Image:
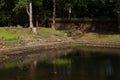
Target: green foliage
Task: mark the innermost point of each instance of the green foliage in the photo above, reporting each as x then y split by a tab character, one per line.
5	10
117	7
68	5
37	3
4	17
42	9
19	5
103	1
2	3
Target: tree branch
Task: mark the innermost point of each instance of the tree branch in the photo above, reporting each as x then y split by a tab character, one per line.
27	9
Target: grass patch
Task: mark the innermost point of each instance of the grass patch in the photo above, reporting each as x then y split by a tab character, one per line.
14	34
77	44
6	33
48	32
101	37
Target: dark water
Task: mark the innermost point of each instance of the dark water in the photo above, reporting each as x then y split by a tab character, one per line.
74	64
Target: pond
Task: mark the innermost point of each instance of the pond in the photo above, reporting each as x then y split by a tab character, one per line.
65	64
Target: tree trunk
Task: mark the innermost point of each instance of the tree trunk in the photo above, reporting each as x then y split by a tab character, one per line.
9	23
30	15
54	11
69	12
119	23
37	21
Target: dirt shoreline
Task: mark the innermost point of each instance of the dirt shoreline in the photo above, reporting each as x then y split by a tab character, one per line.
31	48
57	45
11	53
100	44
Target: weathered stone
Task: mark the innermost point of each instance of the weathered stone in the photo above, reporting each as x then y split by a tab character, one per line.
65	34
69	38
1	45
19	26
59	40
34	30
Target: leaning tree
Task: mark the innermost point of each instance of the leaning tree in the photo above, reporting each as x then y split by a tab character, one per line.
54	11
20	4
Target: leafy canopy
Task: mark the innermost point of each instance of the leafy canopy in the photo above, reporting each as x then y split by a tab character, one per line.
19	5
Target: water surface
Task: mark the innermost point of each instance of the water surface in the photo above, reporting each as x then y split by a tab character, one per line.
66	64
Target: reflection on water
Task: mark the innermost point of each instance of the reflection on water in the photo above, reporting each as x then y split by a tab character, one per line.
109	69
71	64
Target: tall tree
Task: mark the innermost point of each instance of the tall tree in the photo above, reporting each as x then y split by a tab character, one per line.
54	11
30	13
2	3
20	4
68	7
117	9
2	16
37	9
6	13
